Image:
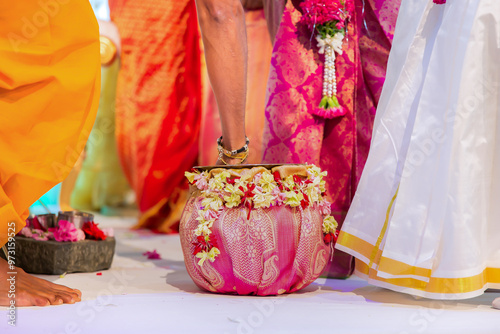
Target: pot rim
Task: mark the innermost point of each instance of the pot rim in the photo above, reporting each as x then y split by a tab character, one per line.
268	166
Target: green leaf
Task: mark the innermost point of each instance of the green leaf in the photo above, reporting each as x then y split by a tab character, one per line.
324	102
334	102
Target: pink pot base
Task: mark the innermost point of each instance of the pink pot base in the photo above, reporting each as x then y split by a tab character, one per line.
278	250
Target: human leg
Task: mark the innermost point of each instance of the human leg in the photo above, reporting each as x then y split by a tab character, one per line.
223	29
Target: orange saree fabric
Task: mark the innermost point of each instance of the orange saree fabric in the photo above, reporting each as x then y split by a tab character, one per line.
158	107
49	92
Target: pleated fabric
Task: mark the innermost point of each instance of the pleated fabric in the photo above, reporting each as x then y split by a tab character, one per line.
425	217
49	92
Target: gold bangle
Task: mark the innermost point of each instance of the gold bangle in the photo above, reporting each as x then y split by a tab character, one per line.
240	154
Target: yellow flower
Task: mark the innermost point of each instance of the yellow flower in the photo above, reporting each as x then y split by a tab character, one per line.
262	200
313	193
242	182
190	176
293	199
211	255
317	179
322	186
218	182
233	189
316	171
201	216
202	256
203	220
222	176
289	182
232	200
234	197
214	203
203	229
215	184
330	225
267	182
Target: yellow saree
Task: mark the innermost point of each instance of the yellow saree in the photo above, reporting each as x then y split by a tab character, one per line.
49	92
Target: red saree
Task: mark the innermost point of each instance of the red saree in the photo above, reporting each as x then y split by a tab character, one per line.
158	106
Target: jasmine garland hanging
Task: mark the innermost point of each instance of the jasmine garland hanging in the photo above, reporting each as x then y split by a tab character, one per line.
328	20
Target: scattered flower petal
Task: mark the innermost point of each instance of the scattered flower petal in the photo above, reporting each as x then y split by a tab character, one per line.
152	255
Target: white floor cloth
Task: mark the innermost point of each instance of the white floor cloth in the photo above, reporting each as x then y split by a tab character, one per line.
138	295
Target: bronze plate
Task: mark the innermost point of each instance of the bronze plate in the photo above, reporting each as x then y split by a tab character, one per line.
268	166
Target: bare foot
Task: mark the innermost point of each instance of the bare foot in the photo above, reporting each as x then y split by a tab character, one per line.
496	303
31	290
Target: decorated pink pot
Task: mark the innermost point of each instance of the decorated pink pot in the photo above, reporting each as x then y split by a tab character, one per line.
257	230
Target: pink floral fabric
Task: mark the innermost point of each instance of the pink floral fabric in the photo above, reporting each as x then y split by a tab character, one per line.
277	250
340	145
